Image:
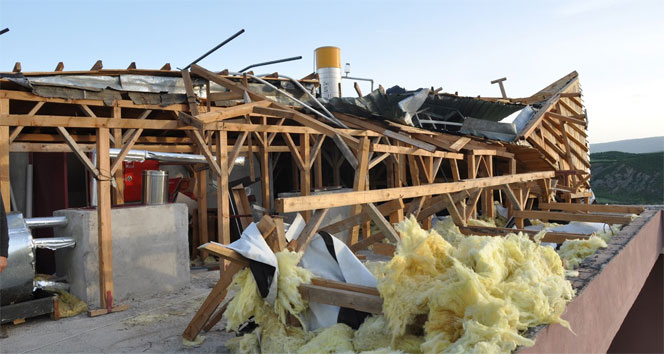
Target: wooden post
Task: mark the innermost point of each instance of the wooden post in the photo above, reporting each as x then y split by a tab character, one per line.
305	172
104	244
318	170
4	158
201	195
336	168
359	183
264	160
488	207
391	169
118	193
223	207
471	162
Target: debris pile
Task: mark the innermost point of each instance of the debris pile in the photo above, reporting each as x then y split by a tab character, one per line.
476	293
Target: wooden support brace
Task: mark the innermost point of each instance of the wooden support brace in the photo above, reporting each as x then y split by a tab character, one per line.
381	222
454	212
302	242
125	150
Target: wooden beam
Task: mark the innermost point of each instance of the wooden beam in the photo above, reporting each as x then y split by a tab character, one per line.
365	124
568	119
366	242
343	298
104	240
236	150
211	302
554	237
79	152
305	171
516	203
459	144
231	112
327	283
27	96
4	158
378	160
125	150
223	207
309	231
18	130
264	161
294	150
626	209
345	151
97	66
550	215
200	142
294	115
345	224
318	144
413	151
381	222
454	212
359	183
286	205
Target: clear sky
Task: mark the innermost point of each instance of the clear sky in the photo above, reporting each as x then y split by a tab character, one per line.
616	46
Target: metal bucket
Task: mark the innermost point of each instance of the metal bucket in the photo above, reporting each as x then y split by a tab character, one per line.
155	187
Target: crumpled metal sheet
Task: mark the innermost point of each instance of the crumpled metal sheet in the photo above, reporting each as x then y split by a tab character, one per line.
399	108
108	96
489	129
503	131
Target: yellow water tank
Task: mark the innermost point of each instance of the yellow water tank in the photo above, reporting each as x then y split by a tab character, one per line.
328	67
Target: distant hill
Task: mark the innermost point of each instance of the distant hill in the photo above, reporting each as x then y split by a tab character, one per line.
624	178
634	146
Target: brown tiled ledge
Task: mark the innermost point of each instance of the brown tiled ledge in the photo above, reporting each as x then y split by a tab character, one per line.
608	283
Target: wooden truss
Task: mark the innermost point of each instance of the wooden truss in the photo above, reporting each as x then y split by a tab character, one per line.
423	171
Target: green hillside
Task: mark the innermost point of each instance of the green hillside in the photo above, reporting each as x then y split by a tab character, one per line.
624	178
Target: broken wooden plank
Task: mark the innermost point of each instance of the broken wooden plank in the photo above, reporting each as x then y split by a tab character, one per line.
550	215
343	298
626	209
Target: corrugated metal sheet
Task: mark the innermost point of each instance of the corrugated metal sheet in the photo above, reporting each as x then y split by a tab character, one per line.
470	107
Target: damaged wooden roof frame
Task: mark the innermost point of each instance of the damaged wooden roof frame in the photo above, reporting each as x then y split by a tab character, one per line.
553	143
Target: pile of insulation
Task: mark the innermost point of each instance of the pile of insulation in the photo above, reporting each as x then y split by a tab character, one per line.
442	291
573	252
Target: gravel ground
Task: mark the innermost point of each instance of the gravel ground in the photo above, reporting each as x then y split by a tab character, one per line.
151	325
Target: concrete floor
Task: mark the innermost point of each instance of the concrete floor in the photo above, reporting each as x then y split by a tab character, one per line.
150	325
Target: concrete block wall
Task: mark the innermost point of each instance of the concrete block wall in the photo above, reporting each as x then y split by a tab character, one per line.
150	251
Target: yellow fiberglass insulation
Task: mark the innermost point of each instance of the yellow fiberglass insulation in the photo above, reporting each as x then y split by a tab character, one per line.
477	291
333	339
247	302
246	344
575	251
290	277
373	334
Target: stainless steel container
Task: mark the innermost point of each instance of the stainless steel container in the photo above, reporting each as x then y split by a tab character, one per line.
16	280
155	187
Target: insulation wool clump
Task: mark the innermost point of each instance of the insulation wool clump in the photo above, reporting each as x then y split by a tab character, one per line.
477	291
575	251
247	302
333	339
374	334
